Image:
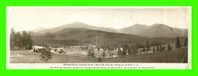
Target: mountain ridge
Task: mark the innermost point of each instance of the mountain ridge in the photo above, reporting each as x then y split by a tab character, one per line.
154	30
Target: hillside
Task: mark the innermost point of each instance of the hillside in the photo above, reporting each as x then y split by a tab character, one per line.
78	33
79	36
155	30
73	25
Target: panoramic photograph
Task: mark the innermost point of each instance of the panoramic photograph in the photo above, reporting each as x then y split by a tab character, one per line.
98	34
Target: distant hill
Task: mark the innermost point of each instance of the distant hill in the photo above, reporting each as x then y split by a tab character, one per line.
74	25
155	30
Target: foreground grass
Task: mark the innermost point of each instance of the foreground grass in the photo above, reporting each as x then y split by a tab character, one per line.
175	56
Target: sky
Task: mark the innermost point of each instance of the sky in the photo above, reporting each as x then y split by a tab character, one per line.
36	18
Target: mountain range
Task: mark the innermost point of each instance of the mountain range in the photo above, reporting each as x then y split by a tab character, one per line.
78	33
151	31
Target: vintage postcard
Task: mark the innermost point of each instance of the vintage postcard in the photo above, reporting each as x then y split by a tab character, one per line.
99	37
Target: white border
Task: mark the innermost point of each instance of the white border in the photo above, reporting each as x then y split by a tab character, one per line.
84	65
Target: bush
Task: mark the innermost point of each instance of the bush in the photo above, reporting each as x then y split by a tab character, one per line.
45	55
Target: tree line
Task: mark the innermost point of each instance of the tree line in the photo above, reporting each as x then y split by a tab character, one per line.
20	40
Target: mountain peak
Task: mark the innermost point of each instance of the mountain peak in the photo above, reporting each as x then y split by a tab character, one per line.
159	25
76	25
154	30
78	22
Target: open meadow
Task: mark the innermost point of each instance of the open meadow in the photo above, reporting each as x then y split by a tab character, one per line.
174	56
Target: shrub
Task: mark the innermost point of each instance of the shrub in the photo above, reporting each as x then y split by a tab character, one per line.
45	55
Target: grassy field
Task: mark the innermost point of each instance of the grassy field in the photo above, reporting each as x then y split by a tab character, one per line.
174	56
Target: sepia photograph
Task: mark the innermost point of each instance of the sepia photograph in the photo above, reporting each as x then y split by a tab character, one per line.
99	37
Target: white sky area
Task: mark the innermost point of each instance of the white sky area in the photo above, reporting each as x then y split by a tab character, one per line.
32	18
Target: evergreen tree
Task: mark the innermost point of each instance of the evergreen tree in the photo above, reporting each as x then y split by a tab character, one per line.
186	42
169	47
178	43
147	46
12	39
20	40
